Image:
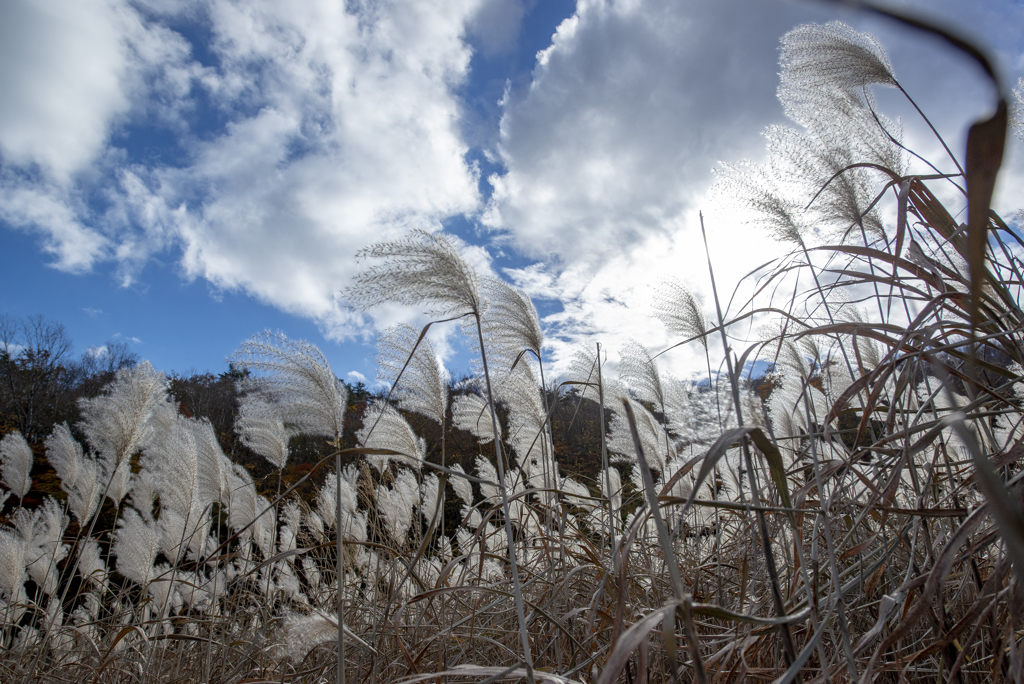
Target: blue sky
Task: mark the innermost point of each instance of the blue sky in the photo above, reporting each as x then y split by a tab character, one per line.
180	175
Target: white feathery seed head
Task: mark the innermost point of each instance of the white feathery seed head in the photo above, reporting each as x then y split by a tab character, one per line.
65	455
303	633
295	376
760	190
583	369
511	324
485	470
461	485
422	268
261	428
135	546
423	386
833	55
84	496
12	563
117	422
470	412
650	431
395	504
211	463
17	459
679	310
241	498
90	564
639	370
386	428
428	496
116	476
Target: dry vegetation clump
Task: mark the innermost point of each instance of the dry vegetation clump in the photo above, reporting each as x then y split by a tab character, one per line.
861	524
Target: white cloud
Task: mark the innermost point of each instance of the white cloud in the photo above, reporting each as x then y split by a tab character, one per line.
353	138
609	151
96	351
356	376
339	127
48	210
62	66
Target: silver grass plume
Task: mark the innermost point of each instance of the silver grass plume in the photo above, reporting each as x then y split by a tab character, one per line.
265	526
12	563
289	533
386	428
327	501
212	464
173	466
521	394
187	479
297	378
760	191
84	496
241	498
90	564
679	310
117	422
17	463
652	437
461	485
312	572
136	546
65	455
42	530
421	268
395	504
470	412
428	496
867	353
423	387
583	369
511	324
471	517
639	370
611	489
845	194
262	429
577	494
837	121
833	55
1018	110
485	471
117	477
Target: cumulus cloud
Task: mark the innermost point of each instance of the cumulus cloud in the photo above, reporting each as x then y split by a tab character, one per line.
325	126
608	153
264	145
62	70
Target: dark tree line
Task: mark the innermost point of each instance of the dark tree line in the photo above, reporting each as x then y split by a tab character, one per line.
41	383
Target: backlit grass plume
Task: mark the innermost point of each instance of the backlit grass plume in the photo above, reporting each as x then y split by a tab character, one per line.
261	428
511	325
16	456
831	56
423	387
679	310
422	268
296	377
117	422
386	428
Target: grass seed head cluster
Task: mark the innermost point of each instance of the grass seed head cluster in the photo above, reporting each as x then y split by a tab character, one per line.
852	527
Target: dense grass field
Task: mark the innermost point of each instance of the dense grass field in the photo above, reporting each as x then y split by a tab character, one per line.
855	514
